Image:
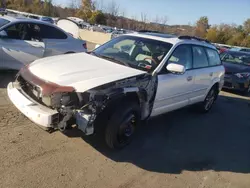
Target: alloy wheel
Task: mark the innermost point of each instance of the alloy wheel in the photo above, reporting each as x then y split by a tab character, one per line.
209	100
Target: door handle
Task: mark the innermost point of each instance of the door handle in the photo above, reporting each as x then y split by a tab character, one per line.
189	78
211	74
36	45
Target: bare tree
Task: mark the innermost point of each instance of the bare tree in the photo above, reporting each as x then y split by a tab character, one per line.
98	5
157	19
113	9
164	20
123	13
143	17
74	4
144	20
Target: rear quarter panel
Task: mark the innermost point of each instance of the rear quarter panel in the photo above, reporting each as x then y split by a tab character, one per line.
218	77
62	46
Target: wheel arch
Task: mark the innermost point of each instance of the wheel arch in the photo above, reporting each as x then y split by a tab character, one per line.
216	84
134	94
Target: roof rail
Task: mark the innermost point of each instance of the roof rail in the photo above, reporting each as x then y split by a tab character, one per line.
193	38
148	31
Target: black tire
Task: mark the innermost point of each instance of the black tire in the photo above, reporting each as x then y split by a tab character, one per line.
211	97
122	125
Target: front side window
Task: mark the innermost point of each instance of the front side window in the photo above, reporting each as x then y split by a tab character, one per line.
182	56
213	57
24	31
200	59
18	31
136	52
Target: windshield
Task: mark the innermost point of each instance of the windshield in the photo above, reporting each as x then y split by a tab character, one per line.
3	22
136	52
236	57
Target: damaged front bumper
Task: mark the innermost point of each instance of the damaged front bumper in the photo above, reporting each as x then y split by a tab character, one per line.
37	113
43	116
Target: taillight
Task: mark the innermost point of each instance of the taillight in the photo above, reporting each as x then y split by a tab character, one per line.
84	45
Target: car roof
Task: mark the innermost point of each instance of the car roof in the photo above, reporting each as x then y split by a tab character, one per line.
172	39
22	19
9	18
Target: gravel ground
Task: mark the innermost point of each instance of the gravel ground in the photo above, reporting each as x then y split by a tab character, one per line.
179	149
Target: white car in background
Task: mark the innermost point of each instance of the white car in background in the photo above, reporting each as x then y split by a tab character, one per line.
24	40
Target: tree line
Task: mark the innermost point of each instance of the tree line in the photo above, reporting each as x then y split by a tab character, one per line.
235	35
95	12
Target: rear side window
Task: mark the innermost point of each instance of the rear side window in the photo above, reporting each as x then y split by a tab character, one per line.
48	32
213	57
200	59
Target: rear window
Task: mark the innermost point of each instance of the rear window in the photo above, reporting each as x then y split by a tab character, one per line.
3	22
213	57
48	32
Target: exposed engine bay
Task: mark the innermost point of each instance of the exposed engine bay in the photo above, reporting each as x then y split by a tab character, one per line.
82	109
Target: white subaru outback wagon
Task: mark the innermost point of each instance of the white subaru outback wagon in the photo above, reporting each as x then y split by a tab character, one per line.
118	85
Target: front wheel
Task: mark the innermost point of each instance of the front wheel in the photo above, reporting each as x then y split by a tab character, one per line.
209	100
122	125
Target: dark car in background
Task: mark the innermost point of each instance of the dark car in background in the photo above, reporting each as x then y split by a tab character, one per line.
241	49
237	70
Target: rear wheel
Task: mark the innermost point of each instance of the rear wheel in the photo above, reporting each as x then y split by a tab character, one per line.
122	125
209	100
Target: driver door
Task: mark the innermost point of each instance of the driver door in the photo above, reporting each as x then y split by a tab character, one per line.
19	48
174	90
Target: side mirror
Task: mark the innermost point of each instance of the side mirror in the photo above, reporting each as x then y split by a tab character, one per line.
3	34
176	68
96	46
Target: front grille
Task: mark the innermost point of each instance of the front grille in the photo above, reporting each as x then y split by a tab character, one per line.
30	89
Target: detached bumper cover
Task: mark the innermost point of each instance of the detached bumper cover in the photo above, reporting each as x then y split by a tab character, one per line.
37	113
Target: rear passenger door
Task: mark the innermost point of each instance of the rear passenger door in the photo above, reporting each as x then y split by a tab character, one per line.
204	74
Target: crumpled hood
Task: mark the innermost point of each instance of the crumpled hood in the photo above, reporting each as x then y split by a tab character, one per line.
81	71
